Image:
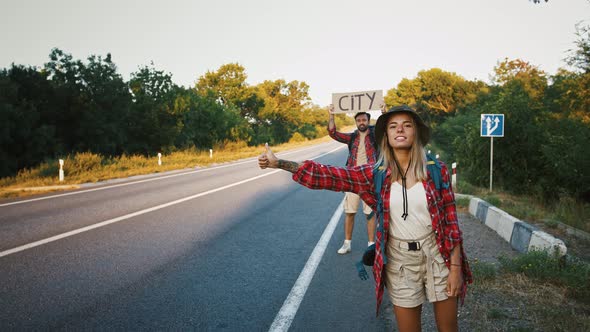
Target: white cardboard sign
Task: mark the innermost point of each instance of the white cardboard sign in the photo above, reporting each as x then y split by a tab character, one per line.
361	101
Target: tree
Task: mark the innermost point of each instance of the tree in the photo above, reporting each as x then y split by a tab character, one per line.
67	101
228	85
580	57
436	94
569	96
206	122
565	151
27	134
153	123
284	105
519	165
106	104
532	78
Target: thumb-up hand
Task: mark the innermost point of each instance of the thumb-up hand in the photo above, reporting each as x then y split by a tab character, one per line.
268	159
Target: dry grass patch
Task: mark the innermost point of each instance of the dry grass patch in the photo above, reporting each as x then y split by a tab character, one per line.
89	167
514	302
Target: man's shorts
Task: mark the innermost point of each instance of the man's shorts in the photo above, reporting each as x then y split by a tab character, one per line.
351	204
408	281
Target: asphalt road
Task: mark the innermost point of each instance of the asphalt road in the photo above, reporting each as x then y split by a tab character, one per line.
225	248
219	248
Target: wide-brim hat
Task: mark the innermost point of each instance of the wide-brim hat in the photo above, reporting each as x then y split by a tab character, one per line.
423	129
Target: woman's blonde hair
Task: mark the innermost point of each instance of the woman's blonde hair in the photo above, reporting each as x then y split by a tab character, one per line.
417	166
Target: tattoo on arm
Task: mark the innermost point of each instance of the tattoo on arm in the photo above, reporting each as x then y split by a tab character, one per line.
287	165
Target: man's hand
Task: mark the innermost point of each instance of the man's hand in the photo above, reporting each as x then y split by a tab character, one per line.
268	159
331	122
383	108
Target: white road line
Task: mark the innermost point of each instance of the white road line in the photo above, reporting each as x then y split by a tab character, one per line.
148	180
127	216
287	313
134	214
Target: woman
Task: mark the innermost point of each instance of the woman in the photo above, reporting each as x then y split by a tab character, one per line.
419	251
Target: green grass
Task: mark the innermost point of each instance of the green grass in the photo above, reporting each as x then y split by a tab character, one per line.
483	270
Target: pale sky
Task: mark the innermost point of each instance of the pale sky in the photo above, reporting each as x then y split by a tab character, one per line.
332	45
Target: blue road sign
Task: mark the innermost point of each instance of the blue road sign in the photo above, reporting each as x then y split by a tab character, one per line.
492	125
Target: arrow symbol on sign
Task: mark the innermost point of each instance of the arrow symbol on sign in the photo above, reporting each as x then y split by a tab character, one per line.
489	127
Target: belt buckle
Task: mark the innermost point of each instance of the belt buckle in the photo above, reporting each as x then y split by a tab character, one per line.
413	246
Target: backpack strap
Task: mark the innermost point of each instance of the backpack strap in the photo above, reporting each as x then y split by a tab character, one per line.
435	169
378	179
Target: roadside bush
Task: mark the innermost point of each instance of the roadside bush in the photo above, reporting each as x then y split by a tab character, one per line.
82	162
493	200
297	137
466	188
571	212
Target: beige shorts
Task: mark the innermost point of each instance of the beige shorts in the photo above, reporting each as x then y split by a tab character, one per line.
351	204
412	277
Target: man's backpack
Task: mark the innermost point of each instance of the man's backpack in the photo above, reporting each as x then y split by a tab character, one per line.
434	169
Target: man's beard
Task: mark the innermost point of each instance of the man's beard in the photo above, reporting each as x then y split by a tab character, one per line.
362	128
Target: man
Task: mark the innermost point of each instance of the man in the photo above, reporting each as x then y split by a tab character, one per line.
362	149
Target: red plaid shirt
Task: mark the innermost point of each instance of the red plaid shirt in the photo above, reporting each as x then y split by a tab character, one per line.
359	180
370	147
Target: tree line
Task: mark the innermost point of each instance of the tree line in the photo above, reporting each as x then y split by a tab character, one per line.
73	106
544	150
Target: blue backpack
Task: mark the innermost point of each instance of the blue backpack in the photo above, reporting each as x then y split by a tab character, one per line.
434	169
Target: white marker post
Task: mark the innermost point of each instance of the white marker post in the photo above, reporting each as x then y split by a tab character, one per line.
159	159
61	170
210	153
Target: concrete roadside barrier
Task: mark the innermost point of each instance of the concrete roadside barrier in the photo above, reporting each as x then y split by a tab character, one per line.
473	203
493	218
506	226
542	240
522	236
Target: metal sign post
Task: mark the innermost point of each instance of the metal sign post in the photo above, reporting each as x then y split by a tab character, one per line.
491	161
492	125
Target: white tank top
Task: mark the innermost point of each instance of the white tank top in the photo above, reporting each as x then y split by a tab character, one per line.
418	222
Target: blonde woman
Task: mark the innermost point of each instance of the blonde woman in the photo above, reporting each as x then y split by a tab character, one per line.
418	249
